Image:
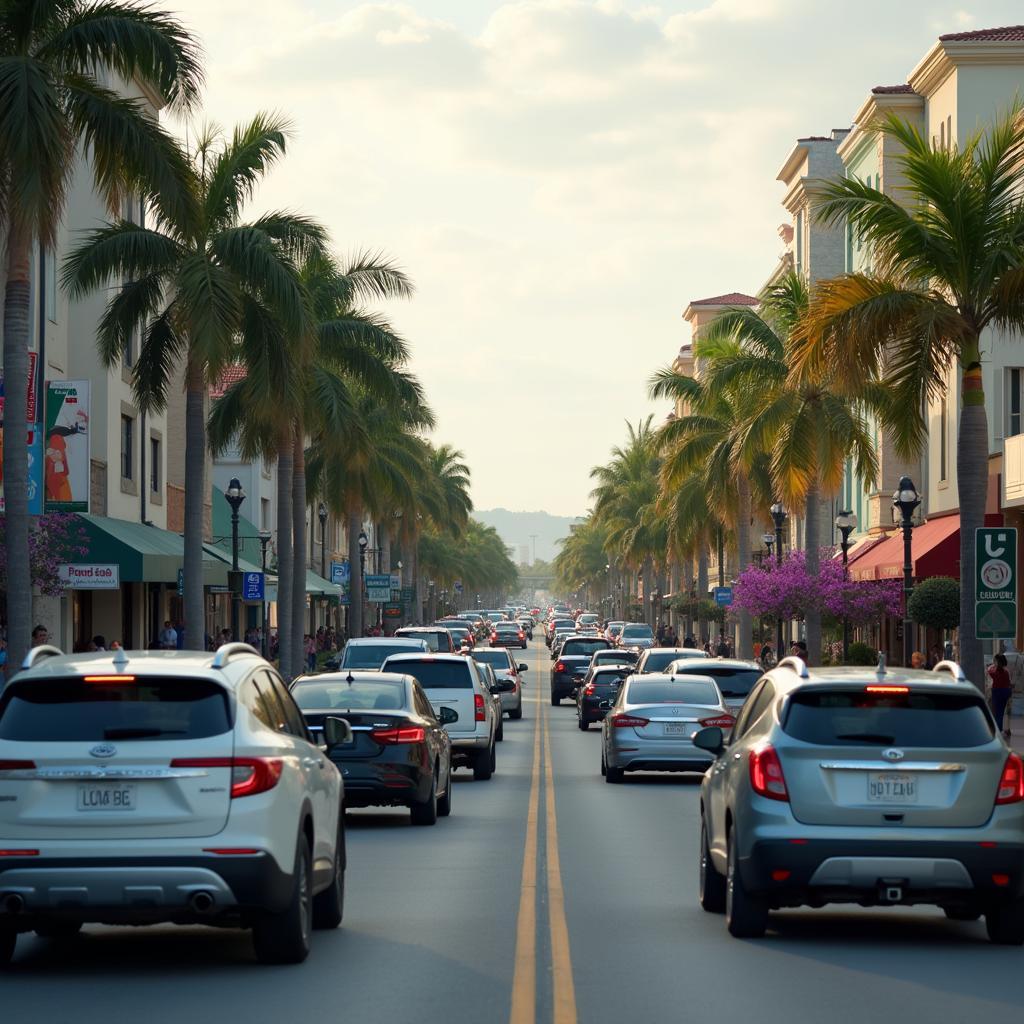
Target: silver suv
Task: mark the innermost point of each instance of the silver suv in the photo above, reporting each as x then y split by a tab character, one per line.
871	786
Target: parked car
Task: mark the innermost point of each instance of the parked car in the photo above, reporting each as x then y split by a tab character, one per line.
887	787
598	692
505	668
371	652
651	725
397	754
437	638
453	681
572	664
191	774
657	659
735	678
636	635
462	634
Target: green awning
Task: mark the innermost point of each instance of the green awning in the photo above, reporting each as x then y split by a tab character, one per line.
319	587
145	554
221	555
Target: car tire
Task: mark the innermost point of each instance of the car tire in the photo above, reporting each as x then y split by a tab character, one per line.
581	721
8	940
444	803
425	812
746	916
712	881
555	701
284	937
329	905
1005	923
483	765
516	713
500	734
604	767
961	913
58	930
613	776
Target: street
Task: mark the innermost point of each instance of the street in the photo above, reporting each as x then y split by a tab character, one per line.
446	924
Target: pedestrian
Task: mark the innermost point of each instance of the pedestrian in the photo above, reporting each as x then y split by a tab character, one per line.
310	648
767	655
799	649
168	637
660	635
722	650
40	636
689	642
1001	689
99	642
917	660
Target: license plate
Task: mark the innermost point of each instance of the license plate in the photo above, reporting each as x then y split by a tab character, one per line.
106	798
892	788
677	729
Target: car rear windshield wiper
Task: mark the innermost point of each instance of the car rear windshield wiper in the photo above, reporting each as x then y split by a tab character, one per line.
140	733
868	737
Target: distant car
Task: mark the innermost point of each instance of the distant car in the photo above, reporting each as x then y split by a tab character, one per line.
526	622
370	652
657	659
572	664
558	622
507	634
614	656
636	635
505	668
398	753
598	692
561	635
437	638
462	633
612	630
494	688
735	678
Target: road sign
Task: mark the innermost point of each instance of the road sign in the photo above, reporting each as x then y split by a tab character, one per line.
378	587
458	586
253	586
995	582
723	596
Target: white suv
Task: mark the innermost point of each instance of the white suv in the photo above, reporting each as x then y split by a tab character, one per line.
140	787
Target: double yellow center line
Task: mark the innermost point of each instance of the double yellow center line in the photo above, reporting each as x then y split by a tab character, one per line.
524	980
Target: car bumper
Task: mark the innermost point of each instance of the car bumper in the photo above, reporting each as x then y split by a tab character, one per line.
469	744
385	785
669	755
564	684
591	710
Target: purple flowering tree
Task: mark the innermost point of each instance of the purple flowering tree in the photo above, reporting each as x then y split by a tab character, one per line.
52	540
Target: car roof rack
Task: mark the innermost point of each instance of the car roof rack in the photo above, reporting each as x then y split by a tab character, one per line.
798	665
42	651
228	651
953	668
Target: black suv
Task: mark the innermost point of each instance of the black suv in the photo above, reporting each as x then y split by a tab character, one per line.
569	670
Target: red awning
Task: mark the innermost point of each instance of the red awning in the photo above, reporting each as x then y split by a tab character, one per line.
860	548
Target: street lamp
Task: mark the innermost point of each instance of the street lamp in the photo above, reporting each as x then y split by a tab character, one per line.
321	513
430	599
444	600
264	541
779	517
768	539
905	500
235	495
846	523
363	543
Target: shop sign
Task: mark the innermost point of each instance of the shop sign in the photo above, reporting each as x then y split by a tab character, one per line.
90	577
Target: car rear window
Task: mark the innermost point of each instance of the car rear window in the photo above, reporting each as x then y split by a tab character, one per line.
668	691
587	647
154	708
359	695
610	675
658	660
496	657
434	640
733	682
858	718
438	675
637	631
371	655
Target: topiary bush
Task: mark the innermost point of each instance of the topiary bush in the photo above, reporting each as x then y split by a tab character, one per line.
935	602
862	654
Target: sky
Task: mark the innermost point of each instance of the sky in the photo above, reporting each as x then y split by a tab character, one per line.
559	177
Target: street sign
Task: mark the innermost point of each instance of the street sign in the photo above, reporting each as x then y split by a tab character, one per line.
181	583
995	582
408	594
378	587
253	584
392	611
396	581
723	596
458	586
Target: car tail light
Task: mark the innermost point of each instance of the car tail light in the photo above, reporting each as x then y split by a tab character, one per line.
494	635
249	775
401	734
478	703
589	689
109	679
722	721
629	722
16	766
766	773
19	853
1011	783
887	689
560	666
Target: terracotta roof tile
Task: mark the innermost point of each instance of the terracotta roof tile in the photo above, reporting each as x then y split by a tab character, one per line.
231	375
892	90
729	299
1005	34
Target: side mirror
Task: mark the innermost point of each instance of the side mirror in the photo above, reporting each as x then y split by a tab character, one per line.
522	668
711	739
337	732
447	715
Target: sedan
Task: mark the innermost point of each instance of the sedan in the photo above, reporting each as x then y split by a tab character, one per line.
636	635
651	725
508	634
657	659
598	693
735	678
615	656
399	753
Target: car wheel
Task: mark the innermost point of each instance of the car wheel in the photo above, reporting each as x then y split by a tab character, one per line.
604	767
284	937
1005	924
712	883
500	734
494	759
516	713
329	905
425	813
613	775
555	701
746	916
961	913
58	929
8	940
444	803
483	765
581	721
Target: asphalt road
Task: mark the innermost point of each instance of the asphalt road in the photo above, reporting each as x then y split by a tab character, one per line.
484	918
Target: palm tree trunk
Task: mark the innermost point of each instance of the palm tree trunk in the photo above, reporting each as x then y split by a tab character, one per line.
17	296
648	578
195	495
355	605
972	488
702	591
812	542
285	551
745	647
384	534
298	520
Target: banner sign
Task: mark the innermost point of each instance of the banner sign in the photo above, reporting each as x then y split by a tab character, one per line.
341	575
392	611
995	582
66	472
253	586
378	587
90	577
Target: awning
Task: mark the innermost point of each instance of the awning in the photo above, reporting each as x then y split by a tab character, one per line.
316	586
860	547
145	554
225	556
249	546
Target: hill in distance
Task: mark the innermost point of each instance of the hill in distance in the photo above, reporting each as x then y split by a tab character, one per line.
516	529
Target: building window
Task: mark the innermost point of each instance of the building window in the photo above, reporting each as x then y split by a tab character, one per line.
127	439
264	513
943	438
154	465
51	285
1013	404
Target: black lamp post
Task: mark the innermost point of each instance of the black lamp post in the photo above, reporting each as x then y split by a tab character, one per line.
430	600
846	523
321	512
444	600
264	541
779	518
905	500
364	542
235	495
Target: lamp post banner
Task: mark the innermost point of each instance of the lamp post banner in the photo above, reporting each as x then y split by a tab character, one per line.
341	575
995	582
66	472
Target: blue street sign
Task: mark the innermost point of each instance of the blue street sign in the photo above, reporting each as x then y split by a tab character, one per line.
723	596
252	586
340	574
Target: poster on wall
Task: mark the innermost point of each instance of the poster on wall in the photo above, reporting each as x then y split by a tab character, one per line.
34	443
66	438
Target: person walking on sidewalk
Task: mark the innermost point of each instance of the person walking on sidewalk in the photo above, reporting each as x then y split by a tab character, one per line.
1001	689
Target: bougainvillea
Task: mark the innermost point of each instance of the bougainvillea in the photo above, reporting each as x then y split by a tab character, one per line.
53	539
788	591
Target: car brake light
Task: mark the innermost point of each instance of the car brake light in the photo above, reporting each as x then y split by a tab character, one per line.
1011	782
16	766
478	703
401	734
629	722
722	721
19	853
560	666
109	679
249	775
887	689
766	773
232	851
588	689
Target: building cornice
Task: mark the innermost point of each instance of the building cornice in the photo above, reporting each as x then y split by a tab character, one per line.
796	157
874	109
945	56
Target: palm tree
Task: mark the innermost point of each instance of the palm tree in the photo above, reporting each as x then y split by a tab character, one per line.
195	279
53	106
947	265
